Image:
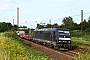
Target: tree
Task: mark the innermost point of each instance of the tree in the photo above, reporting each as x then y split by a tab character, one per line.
68	23
76	26
40	26
23	27
85	25
55	24
88	24
9	26
89	19
5	26
14	27
48	26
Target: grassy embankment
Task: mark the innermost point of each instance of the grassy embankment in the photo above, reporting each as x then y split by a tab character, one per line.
82	43
12	48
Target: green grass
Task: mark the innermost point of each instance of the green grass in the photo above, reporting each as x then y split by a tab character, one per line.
85	39
81	40
12	48
80	43
87	36
82	57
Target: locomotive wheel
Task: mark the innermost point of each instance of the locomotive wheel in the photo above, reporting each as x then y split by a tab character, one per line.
56	47
44	43
70	46
51	46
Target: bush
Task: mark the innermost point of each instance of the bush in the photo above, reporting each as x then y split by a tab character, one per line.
82	57
12	48
75	34
11	34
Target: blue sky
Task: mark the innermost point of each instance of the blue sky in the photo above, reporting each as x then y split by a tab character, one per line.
42	11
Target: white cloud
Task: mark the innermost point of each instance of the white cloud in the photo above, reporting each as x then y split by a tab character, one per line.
29	0
4	20
2	8
6	7
9	1
60	0
49	0
32	20
57	16
38	19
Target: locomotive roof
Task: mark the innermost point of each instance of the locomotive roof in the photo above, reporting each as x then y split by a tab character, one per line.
50	29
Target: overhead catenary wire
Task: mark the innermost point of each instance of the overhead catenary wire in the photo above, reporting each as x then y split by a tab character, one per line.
66	12
75	8
75	15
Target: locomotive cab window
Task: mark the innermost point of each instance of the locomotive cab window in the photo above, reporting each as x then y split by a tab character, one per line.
64	33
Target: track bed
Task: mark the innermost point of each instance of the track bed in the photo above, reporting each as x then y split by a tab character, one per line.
55	54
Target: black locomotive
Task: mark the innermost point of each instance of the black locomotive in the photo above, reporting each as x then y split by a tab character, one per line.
54	37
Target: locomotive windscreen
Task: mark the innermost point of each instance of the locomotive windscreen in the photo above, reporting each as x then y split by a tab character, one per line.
64	33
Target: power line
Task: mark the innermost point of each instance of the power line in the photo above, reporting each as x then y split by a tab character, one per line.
87	13
76	8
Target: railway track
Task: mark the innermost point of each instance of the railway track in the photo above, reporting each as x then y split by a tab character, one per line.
55	54
71	53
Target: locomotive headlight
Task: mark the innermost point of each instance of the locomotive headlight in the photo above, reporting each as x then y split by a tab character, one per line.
68	41
59	41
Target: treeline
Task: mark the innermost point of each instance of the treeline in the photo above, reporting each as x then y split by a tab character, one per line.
69	23
4	26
